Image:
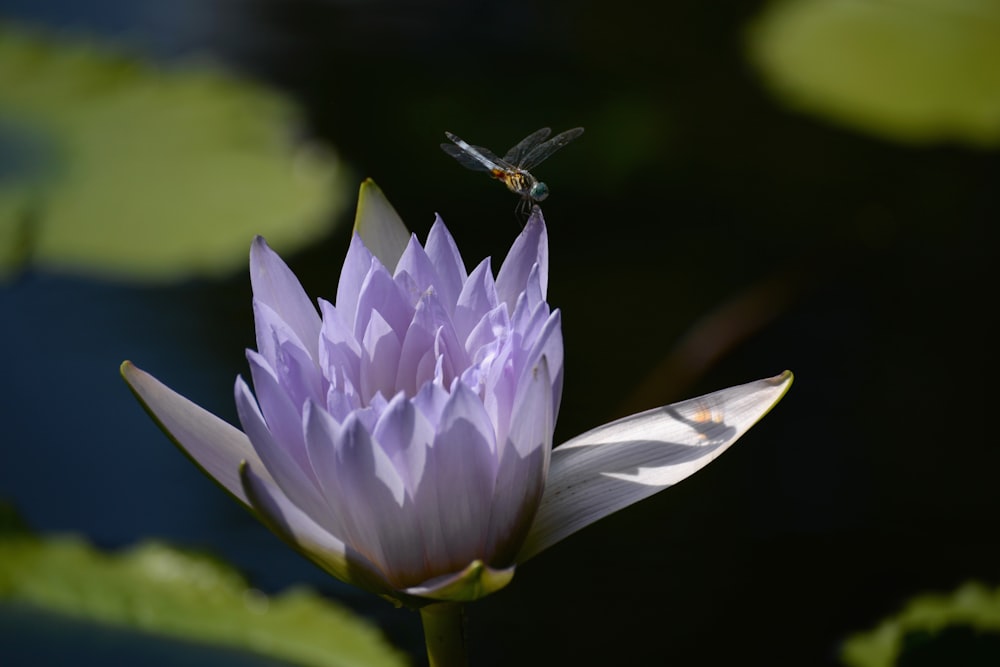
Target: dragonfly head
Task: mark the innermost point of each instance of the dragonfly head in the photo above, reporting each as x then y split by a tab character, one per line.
539	191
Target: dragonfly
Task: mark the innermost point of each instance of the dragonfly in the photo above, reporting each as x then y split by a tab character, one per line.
513	168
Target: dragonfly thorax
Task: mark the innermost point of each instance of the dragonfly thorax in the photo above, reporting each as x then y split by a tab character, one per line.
524	184
517	181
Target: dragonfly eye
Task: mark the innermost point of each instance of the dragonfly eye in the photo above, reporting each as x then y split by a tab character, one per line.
539	191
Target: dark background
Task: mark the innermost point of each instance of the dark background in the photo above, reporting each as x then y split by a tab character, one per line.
701	236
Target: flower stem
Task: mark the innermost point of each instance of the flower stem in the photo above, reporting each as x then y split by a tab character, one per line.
444	634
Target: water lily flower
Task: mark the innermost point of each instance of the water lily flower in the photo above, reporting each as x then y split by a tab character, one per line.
401	438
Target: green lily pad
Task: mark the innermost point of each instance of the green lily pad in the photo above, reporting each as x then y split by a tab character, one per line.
911	70
972	606
116	167
157	589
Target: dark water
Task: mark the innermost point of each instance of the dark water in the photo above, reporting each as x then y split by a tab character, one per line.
874	265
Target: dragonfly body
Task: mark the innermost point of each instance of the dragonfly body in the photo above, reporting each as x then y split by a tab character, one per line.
513	168
522	183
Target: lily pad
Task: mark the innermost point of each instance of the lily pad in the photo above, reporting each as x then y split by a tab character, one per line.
116	167
916	71
158	589
973	606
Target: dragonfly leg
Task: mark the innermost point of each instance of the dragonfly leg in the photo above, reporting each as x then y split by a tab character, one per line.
523	210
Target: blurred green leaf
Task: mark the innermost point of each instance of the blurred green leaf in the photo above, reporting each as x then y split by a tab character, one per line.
157	589
973	605
118	168
910	70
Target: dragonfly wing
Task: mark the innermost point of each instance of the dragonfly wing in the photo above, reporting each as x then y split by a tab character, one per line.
543	151
472	157
466	159
523	147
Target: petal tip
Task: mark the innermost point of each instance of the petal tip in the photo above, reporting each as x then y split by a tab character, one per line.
536	216
259	243
782	383
379	225
259	249
783	378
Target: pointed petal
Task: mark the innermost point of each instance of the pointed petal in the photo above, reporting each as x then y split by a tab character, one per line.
378	518
444	254
299	485
460	464
276	286
405	435
530	248
288	522
380	360
549	344
477	298
380	293
379	226
523	467
280	347
447	342
502	380
418	266
430	400
215	446
475	581
415	356
493	326
356	266
336	330
283	418
528	302
620	463
464	413
340	358
321	433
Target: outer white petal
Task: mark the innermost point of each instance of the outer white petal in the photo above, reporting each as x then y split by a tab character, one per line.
615	465
379	226
214	445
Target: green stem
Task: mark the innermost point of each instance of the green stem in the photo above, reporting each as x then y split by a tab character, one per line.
444	634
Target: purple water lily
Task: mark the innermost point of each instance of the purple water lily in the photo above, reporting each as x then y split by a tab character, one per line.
401	438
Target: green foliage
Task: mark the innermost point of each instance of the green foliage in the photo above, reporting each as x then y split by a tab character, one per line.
973	606
911	70
157	589
115	167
